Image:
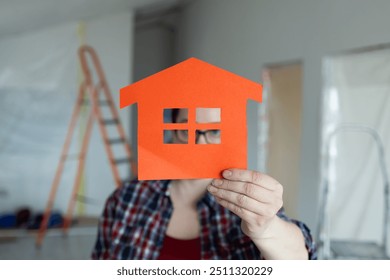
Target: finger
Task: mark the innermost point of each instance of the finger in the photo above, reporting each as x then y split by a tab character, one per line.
251	176
256	192
245	202
244	214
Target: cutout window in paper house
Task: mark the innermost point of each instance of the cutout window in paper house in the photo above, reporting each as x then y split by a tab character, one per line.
207	126
170	116
200	88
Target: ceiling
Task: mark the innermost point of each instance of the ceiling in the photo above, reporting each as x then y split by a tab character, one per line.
17	16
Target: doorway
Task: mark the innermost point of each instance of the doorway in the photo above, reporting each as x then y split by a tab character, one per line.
283	100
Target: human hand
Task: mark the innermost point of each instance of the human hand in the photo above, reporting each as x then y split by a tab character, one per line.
253	196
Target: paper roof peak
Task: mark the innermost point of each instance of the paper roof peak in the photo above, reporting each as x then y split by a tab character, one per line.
190	80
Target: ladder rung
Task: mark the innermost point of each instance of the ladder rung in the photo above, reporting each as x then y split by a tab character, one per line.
115	141
113	121
121	160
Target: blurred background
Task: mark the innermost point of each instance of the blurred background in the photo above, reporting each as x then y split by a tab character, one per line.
322	129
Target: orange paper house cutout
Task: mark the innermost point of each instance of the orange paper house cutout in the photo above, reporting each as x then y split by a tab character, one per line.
190	84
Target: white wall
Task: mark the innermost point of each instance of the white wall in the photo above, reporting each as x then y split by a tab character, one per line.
244	36
153	52
38	85
153	49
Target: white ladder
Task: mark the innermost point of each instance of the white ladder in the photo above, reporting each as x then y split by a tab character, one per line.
351	249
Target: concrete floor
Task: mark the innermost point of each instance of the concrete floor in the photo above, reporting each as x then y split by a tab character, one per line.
20	244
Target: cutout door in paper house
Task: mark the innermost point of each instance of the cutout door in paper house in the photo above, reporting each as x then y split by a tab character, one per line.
196	86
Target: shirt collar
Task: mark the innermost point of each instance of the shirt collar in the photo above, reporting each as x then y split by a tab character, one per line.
207	200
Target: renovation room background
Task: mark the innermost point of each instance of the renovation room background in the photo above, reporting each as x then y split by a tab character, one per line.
322	63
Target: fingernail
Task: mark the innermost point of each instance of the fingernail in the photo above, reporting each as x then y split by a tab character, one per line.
212	189
217	182
227	173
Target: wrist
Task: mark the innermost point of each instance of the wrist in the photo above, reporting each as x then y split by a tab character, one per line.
281	240
264	232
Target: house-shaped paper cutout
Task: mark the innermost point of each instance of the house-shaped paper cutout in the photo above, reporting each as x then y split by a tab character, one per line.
190	84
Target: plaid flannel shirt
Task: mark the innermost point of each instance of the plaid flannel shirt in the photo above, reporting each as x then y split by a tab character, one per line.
136	217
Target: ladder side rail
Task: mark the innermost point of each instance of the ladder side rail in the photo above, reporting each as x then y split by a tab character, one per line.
60	167
324	223
80	169
323	227
385	177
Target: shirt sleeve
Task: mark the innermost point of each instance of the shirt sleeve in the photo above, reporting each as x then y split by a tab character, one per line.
103	242
309	242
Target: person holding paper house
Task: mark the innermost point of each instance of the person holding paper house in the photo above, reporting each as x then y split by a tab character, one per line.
238	216
171	212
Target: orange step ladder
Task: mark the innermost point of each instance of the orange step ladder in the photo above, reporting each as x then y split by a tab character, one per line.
96	95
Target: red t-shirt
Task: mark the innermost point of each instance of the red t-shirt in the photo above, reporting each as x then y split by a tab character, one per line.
179	249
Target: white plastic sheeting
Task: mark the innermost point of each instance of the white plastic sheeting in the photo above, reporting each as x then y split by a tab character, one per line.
357	92
39	81
38	86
